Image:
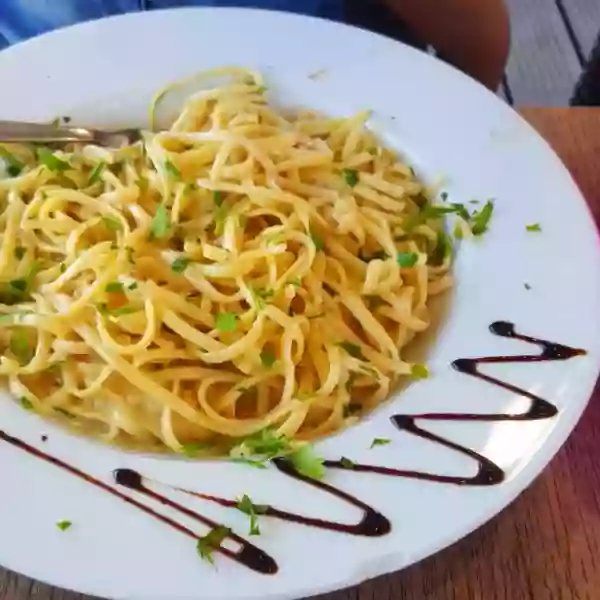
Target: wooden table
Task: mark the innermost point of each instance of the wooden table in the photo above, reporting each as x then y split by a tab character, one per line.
545	546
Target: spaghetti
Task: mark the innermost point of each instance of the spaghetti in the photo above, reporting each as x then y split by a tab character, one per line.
244	270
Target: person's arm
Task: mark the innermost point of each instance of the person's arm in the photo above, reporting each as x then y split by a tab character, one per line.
473	35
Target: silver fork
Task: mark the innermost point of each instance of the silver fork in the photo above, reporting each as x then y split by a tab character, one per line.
17	131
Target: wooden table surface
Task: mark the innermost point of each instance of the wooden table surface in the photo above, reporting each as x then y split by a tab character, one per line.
546	545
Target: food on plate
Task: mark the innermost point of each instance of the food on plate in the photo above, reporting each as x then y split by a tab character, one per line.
245	275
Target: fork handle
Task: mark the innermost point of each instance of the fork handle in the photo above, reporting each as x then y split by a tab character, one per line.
17	131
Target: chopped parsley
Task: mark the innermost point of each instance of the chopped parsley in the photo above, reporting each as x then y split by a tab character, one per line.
179	265
407	260
50	160
268	358
114	287
226	322
193	449
307	463
218	197
380	442
132	286
267	443
436	211
96	173
64	525
246	506
111	223
14	166
295	281
260	296
458	232
19	252
444	196
211	541
346	463
527	286
116	312
352	349
442	249
481	218
172	170
317	241
160	225
26	403
142	184
535	227
220	215
419	372
350	176
20	285
19	345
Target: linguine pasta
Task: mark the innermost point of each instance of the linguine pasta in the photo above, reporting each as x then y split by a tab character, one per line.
244	270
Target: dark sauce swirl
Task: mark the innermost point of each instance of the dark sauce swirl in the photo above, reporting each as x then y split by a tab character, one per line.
372	523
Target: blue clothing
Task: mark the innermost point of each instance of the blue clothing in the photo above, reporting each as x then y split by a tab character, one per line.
22	19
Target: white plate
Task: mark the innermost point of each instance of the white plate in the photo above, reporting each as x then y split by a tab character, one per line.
105	72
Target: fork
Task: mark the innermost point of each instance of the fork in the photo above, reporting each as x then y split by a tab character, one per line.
17	131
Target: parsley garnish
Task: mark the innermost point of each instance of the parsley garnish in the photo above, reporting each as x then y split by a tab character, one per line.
114	287
226	322
172	170
64	525
26	403
194	448
211	541
352	349
19	345
246	506
50	160
160	225
536	227
20	285
179	265
350	176
527	286
317	241
111	223
346	463
419	372
142	184
407	260
19	252
444	196
307	463
220	215
96	173
14	166
268	358
482	218
443	248
266	443
132	286
296	281
260	296
218	197
380	442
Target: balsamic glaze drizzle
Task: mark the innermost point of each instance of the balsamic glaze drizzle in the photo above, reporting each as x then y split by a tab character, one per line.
373	523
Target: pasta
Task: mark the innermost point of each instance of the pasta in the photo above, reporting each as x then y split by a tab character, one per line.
244	270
